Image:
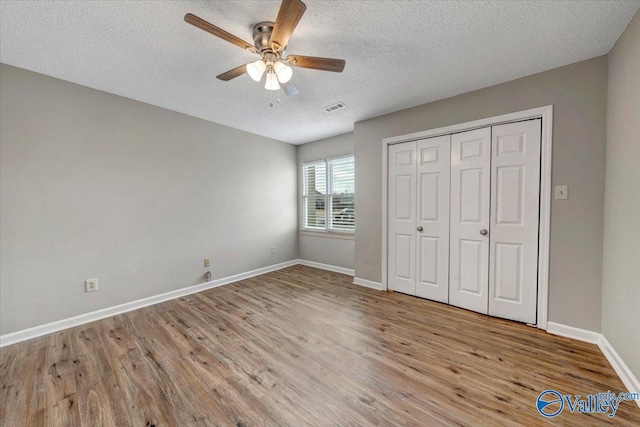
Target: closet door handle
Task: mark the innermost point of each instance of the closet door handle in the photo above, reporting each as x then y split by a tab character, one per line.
420	228
484	232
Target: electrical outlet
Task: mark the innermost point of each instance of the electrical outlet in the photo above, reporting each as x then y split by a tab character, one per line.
91	285
207	262
274	249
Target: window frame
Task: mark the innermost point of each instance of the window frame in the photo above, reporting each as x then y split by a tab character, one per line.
328	198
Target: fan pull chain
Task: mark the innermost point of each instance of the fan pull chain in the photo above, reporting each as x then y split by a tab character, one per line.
277	99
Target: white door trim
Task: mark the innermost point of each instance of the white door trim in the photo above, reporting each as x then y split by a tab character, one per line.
546	114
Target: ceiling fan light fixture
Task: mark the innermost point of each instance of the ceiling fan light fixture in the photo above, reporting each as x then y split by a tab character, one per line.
272	81
283	71
256	69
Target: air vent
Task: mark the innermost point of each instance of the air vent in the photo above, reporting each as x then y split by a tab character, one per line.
334	107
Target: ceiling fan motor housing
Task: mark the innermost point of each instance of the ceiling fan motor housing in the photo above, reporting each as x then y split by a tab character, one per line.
261	35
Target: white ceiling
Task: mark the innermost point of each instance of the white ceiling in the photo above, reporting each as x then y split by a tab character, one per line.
398	53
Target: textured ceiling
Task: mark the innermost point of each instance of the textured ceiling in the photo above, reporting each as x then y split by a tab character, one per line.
399	53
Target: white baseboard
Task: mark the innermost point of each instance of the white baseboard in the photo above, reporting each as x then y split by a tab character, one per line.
626	376
37	331
367	283
630	381
572	332
348	271
334	268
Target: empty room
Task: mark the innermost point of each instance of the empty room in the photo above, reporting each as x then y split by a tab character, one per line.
319	213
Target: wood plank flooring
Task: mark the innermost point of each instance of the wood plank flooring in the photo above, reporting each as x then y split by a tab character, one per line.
299	347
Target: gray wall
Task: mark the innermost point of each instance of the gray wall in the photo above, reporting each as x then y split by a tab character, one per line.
321	247
579	95
95	185
621	282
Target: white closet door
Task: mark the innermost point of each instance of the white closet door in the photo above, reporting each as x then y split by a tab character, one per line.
469	243
432	179
402	218
515	198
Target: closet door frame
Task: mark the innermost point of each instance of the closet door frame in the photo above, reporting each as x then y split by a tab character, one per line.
546	114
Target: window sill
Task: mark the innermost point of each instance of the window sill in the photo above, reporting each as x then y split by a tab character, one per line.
327	234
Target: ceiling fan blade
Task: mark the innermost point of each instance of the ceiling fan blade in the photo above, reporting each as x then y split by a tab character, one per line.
210	28
289	88
325	64
288	17
232	74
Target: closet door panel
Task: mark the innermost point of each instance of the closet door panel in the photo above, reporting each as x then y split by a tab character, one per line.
433	174
401	236
469	228
515	198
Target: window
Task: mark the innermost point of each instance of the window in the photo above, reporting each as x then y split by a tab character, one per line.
328	195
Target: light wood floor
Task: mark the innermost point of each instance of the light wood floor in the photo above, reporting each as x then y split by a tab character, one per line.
299	347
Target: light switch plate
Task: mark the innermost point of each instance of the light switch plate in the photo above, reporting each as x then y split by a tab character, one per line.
561	192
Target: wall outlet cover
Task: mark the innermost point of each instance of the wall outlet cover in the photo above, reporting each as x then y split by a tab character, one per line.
91	285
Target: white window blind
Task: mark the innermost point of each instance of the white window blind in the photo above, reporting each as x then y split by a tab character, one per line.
328	195
315	192
342	186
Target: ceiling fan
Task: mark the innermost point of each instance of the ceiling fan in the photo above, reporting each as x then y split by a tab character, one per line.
270	40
